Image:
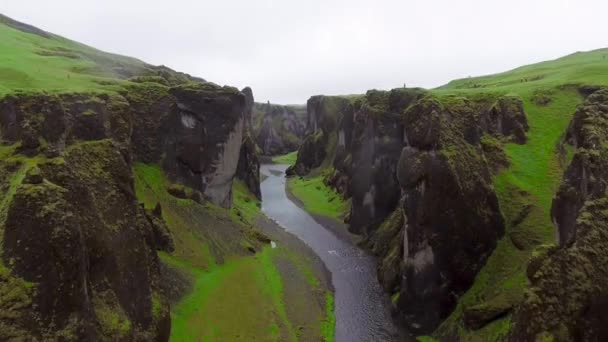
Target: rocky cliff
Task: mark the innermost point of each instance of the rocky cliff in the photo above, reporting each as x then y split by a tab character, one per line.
278	129
79	254
568	294
418	170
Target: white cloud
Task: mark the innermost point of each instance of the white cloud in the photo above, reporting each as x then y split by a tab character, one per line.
288	50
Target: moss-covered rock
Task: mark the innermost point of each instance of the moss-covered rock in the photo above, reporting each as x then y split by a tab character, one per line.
278	129
479	315
418	169
71	224
568	294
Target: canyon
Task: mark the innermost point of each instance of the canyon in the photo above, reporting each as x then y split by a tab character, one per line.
141	203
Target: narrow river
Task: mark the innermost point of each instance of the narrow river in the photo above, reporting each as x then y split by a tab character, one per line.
361	307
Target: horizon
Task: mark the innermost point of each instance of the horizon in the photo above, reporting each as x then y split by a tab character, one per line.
349	51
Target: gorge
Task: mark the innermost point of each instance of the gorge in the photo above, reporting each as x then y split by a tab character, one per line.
141	203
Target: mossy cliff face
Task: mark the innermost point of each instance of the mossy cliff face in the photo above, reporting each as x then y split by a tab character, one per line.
74	236
451	217
278	129
418	170
318	145
194	131
248	168
568	295
79	253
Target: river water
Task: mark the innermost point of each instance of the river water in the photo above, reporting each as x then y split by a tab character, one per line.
361	307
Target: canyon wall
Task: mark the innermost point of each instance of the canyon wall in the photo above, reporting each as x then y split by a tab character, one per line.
79	256
568	295
278	129
418	169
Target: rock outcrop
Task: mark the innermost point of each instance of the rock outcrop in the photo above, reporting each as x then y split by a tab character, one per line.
195	131
415	168
248	169
79	257
323	115
278	129
568	295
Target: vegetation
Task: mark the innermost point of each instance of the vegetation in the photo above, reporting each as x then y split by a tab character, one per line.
33	62
317	197
288	159
329	324
235	294
550	91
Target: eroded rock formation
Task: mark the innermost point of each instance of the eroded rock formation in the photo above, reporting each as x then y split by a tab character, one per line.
415	168
79	254
568	296
278	129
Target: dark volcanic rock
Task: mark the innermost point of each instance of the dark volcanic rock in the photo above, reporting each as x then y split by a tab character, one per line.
177	191
416	171
507	118
249	102
79	257
324	113
278	129
162	235
248	169
478	316
584	178
83	237
568	297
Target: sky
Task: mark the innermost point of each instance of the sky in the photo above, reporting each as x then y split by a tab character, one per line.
289	50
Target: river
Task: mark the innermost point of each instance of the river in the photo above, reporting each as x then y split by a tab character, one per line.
361	307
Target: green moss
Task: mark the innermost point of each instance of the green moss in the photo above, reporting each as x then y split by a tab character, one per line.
113	321
157	305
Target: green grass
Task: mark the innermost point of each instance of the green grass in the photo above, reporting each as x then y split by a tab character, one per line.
235	295
289	158
244	203
242	299
425	339
30	62
317	197
328	326
589	68
534	174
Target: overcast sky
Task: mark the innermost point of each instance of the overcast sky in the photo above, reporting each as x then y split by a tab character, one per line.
289	50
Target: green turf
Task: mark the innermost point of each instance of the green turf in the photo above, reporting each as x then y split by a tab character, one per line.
317	197
30	62
288	159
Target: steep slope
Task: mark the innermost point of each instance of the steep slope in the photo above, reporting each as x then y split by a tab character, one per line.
436	177
278	129
35	60
121	217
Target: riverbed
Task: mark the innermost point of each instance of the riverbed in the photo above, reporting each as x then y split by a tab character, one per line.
361	307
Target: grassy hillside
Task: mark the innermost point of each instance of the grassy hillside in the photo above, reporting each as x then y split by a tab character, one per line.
232	293
550	91
35	60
